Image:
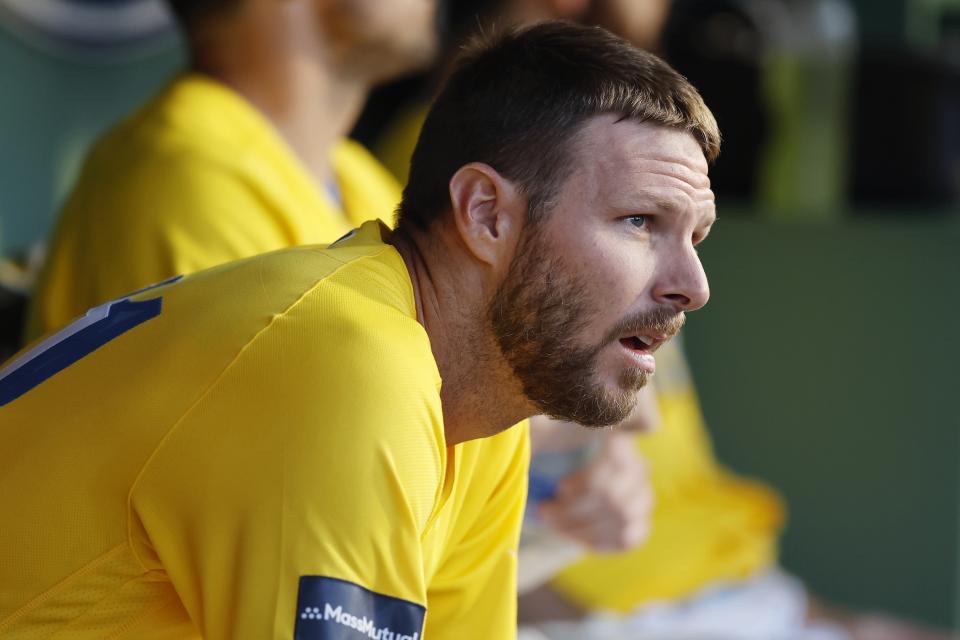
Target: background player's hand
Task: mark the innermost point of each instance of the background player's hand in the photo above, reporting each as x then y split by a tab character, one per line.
607	505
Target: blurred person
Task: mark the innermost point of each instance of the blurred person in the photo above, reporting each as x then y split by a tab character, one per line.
639	21
705	564
306	474
244	153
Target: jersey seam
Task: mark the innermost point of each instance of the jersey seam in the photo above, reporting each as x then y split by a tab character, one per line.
52	590
70	626
138	620
213	383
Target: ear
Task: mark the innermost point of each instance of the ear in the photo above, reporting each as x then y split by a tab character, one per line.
489	211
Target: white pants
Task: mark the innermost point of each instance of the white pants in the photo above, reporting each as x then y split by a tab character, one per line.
770	606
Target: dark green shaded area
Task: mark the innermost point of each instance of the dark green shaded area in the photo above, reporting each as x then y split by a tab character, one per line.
881	22
827	365
52	107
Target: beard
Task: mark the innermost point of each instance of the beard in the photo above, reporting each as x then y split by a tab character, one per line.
535	315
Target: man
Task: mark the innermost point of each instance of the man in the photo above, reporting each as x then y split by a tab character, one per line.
234	158
707	526
241	155
707	565
265	449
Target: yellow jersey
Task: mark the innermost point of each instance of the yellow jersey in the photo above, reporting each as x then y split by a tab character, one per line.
709	525
194	178
254	451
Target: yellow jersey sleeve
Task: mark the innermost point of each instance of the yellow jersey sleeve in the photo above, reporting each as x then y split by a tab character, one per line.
475	585
277	502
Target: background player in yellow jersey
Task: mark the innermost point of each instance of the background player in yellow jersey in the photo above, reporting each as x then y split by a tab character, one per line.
242	154
265	450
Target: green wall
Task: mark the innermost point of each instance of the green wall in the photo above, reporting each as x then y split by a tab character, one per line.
882	22
827	364
51	107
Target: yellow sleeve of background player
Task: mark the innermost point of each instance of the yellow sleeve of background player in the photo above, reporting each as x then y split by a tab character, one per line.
172	216
291	500
474	592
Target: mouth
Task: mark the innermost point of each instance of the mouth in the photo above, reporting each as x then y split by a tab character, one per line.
643	343
640	348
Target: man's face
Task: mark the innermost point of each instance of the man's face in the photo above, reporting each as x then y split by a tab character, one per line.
606	277
382	38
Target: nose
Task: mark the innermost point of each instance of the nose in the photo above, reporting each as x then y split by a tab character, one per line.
682	282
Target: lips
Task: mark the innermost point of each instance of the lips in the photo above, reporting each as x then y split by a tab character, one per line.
639	351
644	343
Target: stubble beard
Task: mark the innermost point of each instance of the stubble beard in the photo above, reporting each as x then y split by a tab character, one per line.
534	316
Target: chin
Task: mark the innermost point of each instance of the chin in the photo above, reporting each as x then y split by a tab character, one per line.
633	379
620	379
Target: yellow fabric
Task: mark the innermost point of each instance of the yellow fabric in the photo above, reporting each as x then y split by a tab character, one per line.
709	525
195	178
281	417
396	146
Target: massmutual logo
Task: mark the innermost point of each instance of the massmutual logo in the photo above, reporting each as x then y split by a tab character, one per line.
363	624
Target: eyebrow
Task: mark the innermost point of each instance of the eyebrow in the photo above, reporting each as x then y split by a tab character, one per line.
666	203
649	198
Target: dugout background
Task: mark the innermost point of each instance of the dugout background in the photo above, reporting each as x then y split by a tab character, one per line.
826	360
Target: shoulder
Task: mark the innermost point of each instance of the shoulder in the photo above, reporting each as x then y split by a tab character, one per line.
339	378
183	129
337	316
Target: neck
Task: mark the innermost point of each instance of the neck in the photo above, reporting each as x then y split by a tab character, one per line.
288	75
480	395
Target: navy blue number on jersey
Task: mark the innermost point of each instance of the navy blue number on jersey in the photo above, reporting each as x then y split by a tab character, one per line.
80	338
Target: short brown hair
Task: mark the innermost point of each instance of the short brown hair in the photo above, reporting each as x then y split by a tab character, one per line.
517	100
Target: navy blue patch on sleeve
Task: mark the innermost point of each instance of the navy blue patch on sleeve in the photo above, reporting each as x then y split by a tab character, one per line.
332	609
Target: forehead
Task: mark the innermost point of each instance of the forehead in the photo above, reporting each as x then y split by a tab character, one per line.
626	155
641	149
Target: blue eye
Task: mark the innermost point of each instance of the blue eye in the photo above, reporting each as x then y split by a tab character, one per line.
639	222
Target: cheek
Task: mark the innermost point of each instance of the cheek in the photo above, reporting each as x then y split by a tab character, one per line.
623	277
612	272
612	287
